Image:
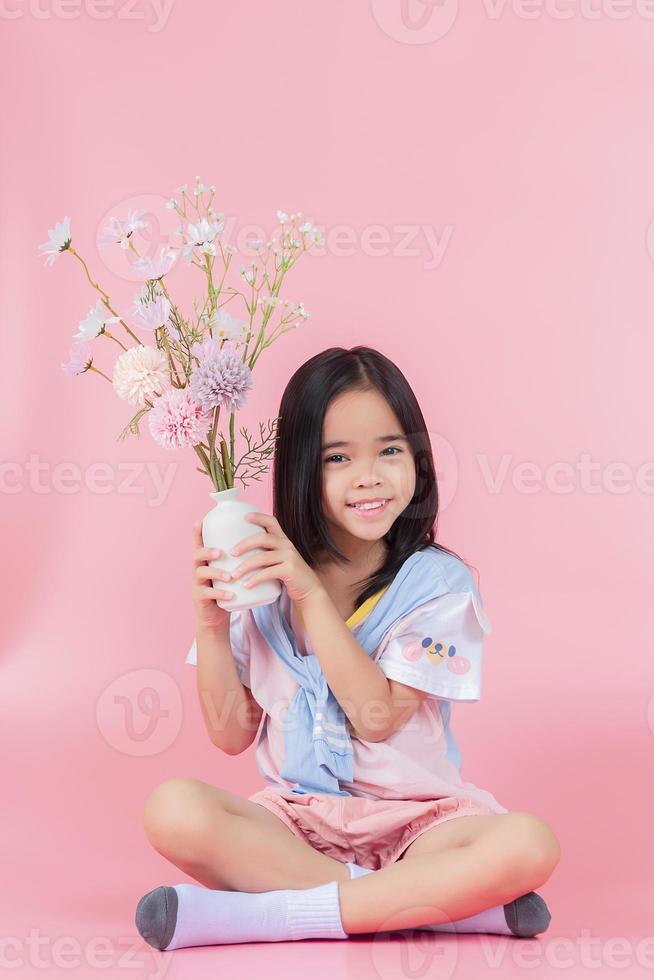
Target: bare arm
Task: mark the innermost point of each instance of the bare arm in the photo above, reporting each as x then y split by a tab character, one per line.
375	705
230	713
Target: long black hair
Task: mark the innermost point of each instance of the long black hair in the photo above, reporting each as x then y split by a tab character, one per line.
297	463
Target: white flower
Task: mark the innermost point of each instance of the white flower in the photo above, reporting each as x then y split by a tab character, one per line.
149	268
171	204
299	310
201	235
79	360
58	241
182	189
152	314
93	324
225	327
307	226
118	232
282	217
140	373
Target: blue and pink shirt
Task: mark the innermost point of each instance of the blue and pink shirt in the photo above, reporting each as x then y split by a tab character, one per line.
437	647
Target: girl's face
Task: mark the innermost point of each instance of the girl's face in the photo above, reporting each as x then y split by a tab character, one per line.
365	465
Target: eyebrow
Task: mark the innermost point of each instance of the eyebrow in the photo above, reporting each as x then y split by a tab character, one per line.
392	438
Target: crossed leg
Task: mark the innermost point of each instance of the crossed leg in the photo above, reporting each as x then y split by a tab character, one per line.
453	871
227	842
450	872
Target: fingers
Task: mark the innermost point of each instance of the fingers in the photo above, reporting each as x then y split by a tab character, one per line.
209	593
263	560
265	540
207	571
202	555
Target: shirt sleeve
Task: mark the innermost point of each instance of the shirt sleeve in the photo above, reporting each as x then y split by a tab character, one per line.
437	647
240	641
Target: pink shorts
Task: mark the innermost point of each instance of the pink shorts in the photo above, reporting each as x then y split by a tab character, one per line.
370	833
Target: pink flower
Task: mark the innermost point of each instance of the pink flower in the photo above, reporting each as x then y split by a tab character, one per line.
176	421
221	379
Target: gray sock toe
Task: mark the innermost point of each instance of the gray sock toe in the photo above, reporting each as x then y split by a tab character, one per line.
156	916
527	915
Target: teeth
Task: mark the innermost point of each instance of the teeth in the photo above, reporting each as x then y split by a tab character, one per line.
370	506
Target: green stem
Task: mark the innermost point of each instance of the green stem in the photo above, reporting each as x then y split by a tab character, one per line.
203	458
214	466
224	452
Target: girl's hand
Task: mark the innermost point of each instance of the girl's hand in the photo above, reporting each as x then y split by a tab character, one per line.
207	611
280	558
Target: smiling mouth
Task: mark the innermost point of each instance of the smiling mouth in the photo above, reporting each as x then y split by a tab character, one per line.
369	510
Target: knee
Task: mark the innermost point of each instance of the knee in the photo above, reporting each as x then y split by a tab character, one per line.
533	847
174	815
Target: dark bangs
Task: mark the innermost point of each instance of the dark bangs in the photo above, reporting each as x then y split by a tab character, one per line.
297	463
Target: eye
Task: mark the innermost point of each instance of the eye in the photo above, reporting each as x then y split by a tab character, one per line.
388	448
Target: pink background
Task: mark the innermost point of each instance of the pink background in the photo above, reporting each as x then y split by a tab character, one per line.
524	144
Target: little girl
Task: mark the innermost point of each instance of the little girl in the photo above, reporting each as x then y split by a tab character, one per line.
365	824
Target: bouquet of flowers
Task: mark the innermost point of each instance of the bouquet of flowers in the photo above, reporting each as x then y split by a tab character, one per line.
193	366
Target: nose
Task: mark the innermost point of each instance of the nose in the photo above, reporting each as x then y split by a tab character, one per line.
371	480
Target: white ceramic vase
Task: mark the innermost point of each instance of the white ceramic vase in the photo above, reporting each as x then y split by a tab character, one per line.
223	527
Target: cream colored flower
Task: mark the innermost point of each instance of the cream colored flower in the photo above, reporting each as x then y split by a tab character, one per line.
140	373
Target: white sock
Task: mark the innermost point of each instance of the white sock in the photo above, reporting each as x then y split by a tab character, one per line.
356	870
170	917
489	920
